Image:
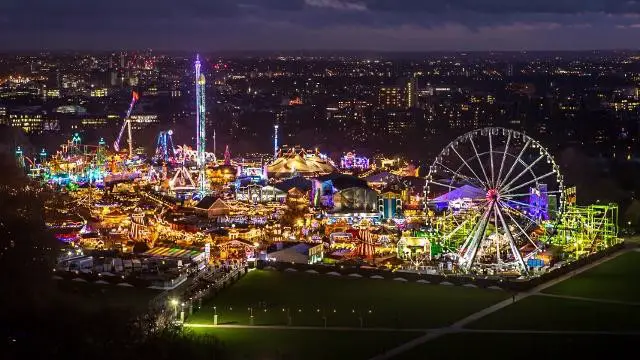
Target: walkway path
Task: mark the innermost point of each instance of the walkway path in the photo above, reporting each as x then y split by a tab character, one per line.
287	327
458	326
582	298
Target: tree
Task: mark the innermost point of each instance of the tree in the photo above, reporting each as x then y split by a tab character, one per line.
27	248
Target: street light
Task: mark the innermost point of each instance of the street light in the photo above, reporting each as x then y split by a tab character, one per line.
174	302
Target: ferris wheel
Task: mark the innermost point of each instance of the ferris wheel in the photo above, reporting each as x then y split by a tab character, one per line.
491	191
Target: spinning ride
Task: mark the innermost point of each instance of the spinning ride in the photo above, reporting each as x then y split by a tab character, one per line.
490	191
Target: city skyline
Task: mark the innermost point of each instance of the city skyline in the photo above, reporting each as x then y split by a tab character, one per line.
320	25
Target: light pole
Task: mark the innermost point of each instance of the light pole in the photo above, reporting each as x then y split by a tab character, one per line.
174	302
289	319
215	315
324	316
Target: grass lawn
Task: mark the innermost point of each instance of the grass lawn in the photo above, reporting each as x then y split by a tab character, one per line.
93	297
307	298
616	279
523	346
304	344
547	313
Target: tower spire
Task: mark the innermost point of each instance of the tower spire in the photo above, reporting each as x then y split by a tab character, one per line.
275	141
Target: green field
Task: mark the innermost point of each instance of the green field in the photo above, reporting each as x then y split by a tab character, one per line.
547	313
305	344
616	279
274	297
523	346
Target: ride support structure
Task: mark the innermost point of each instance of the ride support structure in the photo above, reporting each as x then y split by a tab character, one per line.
200	127
127	125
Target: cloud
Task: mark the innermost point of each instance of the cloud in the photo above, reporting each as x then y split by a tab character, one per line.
316	23
337	4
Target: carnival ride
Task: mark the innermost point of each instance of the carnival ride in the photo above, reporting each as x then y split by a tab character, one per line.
485	190
586	229
127	124
189	155
165	150
200	128
182	181
351	161
77	163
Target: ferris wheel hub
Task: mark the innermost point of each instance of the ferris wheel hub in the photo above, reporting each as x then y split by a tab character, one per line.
493	195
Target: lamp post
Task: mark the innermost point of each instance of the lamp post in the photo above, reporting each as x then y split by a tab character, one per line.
174	302
289	318
324	317
215	315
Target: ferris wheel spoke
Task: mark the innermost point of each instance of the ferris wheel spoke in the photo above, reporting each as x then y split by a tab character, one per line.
508	191
469	167
521	229
475	240
440	184
520	213
504	156
521	203
512	243
491	159
495	222
518	159
455	173
473	145
508	196
506	187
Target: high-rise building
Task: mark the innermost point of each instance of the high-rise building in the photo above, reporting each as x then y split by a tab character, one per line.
390	97
3	115
509	70
411	93
30	123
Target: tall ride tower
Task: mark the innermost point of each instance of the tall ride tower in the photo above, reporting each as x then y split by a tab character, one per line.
275	141
200	127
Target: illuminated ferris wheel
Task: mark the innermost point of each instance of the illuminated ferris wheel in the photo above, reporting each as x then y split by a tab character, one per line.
490	192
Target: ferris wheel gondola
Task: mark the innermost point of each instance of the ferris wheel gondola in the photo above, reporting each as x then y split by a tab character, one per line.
491	190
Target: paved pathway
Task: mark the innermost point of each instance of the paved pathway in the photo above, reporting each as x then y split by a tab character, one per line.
457	326
553	332
582	298
287	327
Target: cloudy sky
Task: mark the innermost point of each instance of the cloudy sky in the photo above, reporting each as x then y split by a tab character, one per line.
395	25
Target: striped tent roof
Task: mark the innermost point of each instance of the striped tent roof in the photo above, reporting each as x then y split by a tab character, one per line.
365	250
173	252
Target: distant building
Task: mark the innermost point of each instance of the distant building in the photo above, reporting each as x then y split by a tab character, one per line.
390	97
30	123
99	92
212	207
139	122
411	93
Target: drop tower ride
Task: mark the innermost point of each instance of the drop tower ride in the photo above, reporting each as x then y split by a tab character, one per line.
200	128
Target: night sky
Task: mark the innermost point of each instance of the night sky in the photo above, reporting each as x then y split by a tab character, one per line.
402	25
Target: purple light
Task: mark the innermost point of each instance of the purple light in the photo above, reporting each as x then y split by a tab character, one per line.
351	161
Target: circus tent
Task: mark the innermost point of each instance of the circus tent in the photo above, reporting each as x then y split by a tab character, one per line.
299	161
